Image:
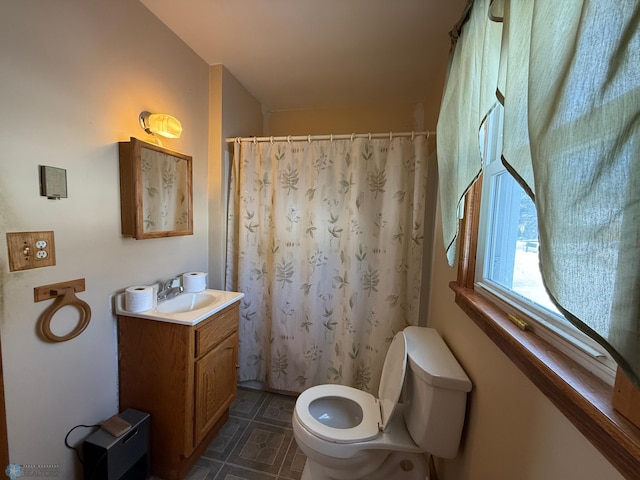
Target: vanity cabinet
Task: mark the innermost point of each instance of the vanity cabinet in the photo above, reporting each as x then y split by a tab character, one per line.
185	377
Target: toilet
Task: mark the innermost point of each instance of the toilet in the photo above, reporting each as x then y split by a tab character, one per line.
349	434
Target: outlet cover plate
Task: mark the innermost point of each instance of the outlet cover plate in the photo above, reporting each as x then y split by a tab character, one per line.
23	253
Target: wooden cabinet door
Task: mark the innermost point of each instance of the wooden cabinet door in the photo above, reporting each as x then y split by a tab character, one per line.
215	386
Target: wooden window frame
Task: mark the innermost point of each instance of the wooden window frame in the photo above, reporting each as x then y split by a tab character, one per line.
583	398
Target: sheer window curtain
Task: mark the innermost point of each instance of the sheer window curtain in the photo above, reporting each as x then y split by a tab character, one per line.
569	80
465	104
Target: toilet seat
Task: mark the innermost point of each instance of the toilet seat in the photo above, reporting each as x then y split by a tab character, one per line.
366	430
375	413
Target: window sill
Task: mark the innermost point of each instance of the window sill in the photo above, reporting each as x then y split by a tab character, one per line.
583	398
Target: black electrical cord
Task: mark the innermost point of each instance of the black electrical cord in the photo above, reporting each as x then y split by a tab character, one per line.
66	440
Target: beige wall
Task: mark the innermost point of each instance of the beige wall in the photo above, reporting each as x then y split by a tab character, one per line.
379	118
75	75
233	112
512	430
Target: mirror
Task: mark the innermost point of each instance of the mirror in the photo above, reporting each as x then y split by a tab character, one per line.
155	191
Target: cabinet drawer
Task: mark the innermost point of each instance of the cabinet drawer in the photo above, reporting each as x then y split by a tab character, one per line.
216	329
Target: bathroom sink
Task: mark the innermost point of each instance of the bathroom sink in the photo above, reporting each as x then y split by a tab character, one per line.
187	308
186	302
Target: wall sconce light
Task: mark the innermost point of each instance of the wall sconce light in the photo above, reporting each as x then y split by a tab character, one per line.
160	124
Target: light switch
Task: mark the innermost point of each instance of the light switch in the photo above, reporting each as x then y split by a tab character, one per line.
30	250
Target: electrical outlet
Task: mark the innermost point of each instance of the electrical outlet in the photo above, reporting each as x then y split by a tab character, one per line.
30	250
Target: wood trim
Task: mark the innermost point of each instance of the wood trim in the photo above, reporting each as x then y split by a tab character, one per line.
52	290
626	398
583	398
468	237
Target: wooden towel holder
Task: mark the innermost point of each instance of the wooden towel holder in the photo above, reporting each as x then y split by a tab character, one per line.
65	295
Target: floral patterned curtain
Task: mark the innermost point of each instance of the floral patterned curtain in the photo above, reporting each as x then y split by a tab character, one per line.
163	192
325	241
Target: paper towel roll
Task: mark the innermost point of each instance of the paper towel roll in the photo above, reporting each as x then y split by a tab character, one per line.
138	298
194	281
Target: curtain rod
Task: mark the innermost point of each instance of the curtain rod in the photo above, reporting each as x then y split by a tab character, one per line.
455	32
309	138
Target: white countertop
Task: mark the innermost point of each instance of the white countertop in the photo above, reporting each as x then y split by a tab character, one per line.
220	300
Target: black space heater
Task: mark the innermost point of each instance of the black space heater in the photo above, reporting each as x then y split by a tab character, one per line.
125	457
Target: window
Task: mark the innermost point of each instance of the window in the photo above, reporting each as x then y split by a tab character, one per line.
567	72
585	401
507	262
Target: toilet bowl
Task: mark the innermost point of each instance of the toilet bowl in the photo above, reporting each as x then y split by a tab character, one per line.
379	459
350	434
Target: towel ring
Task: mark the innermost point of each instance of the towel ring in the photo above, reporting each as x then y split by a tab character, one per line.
67	298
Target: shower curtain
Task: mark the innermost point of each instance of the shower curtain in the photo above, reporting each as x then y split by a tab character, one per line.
325	241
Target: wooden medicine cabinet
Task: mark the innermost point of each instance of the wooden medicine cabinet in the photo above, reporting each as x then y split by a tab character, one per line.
156	193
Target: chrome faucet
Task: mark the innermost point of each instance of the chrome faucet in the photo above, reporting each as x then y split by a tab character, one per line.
169	288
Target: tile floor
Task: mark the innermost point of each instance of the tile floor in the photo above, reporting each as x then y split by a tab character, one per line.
256	443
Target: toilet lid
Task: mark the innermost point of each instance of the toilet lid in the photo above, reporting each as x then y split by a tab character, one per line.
392	379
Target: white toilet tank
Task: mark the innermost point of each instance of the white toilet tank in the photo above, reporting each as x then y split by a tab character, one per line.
436	394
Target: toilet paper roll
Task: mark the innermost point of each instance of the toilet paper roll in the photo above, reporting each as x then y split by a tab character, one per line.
194	281
138	298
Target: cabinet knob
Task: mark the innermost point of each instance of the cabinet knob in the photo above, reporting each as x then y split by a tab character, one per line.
237	365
